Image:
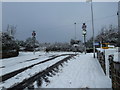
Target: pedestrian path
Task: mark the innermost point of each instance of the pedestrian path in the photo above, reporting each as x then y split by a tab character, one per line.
81	72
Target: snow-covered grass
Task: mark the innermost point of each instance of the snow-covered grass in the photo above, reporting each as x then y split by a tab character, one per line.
81	72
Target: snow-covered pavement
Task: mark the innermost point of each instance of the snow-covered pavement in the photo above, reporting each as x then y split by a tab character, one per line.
82	72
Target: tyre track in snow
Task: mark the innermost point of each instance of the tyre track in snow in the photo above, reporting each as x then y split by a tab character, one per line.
25	83
11	74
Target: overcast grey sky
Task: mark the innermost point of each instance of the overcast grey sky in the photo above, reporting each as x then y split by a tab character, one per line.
54	21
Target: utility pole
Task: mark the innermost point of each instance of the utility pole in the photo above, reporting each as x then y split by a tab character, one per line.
84	35
93	29
34	38
118	13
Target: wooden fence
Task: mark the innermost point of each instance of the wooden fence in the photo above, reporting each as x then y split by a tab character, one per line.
114	68
114	71
101	58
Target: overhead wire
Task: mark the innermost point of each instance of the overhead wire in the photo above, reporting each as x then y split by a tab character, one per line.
95	19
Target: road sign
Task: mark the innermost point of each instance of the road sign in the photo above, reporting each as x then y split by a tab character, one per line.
84	26
96	44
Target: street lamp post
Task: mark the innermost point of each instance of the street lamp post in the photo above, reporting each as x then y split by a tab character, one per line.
75	30
93	29
75	39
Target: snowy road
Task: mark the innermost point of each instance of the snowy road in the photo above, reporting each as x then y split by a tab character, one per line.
82	72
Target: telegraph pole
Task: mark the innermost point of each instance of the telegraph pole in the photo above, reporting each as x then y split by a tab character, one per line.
93	29
118	13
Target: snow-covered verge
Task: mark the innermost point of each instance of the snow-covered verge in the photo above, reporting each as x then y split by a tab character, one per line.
81	72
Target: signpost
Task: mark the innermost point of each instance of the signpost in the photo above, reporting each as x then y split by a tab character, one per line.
34	38
84	35
96	44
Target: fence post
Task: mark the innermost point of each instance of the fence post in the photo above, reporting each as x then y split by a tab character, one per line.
111	69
